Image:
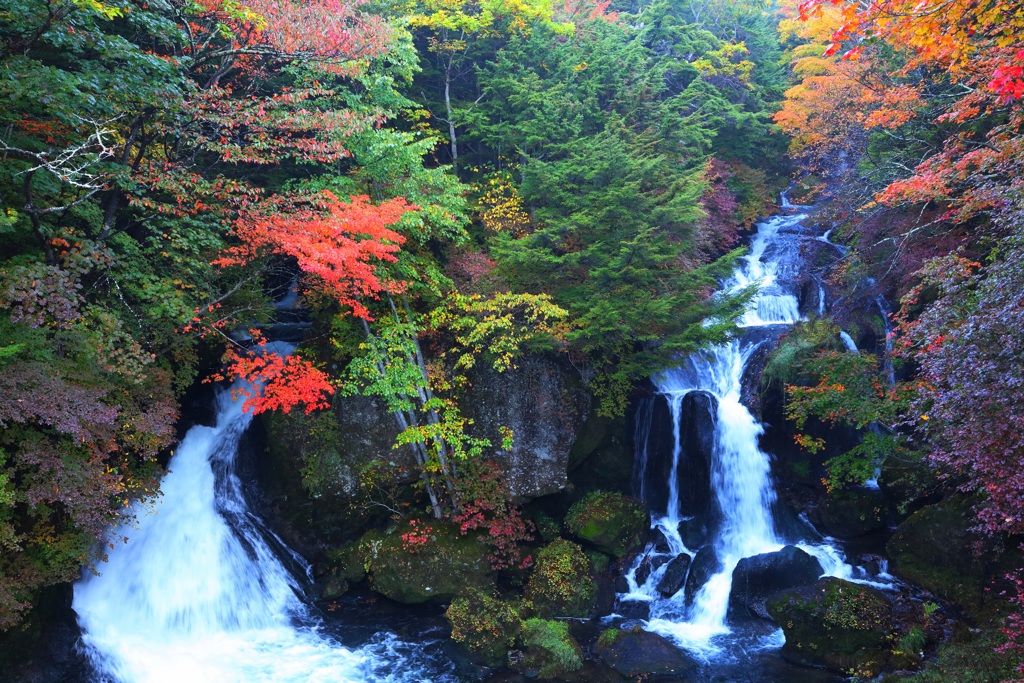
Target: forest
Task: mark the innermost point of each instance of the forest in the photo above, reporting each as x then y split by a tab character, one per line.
447	255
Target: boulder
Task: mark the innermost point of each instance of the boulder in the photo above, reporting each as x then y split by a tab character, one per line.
560	584
706	564
426	561
674	577
635	653
484	625
548	652
634	609
341	568
545	404
936	549
658	540
757	578
610	521
836	624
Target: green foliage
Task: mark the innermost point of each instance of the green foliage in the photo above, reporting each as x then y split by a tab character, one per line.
608	637
971	656
785	364
486	625
560	583
913	641
840	388
550	650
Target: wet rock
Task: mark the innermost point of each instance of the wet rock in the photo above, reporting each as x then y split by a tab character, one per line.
342	567
937	549
836	624
694	533
634	609
674	577
436	571
658	540
634	653
693	476
610	521
698	417
757	578
706	564
43	648
545	404
647	567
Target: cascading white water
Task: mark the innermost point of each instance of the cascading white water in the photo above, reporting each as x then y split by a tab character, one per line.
848	342
196	594
741	482
740	471
772	304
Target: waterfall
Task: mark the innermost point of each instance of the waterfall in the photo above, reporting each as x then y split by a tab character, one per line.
740	520
194	591
883	308
848	342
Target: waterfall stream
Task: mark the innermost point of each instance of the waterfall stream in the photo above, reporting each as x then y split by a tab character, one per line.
197	591
734	519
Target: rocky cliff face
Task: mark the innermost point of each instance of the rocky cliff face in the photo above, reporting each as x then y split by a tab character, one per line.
545	405
314	464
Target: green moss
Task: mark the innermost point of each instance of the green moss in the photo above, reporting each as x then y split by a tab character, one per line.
486	626
549	649
608	637
598	561
345	563
610	521
837	624
935	548
424	561
560	584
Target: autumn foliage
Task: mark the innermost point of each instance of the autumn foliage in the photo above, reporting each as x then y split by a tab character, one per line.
337	244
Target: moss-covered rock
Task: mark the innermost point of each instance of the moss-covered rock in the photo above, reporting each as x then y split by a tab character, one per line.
549	652
836	624
485	625
755	579
936	549
848	513
314	466
560	584
341	568
609	521
424	561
